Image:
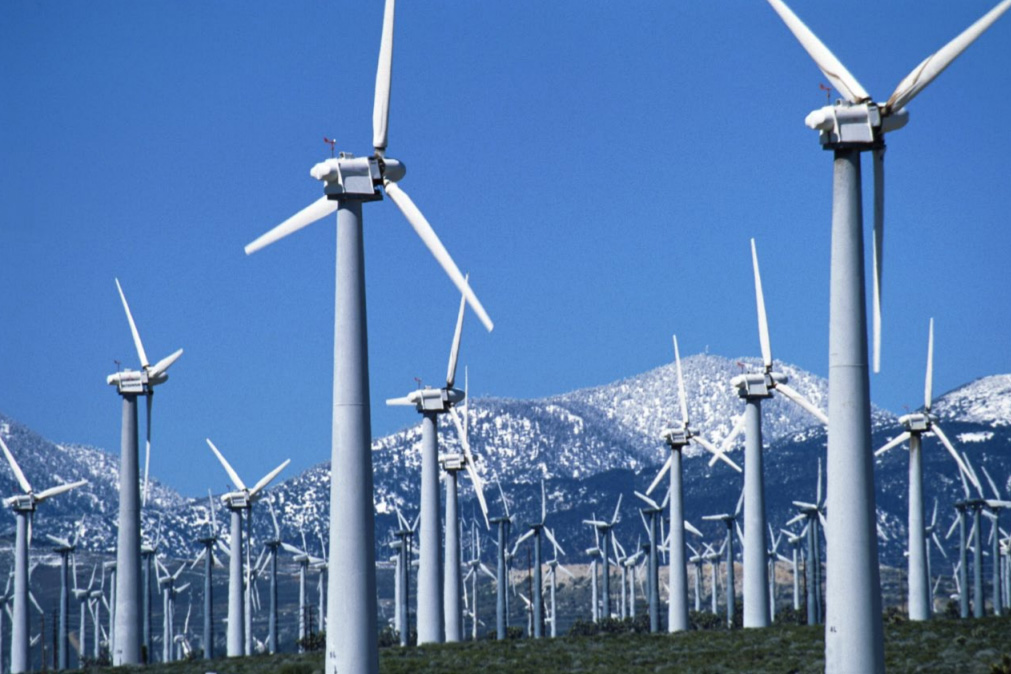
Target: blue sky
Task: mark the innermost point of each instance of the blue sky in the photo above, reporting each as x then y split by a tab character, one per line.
597	167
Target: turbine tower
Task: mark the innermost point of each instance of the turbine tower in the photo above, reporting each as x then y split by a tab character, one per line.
64	548
209	541
126	633
504	523
854	640
815	516
916	424
677	437
240	500
350	181
24	506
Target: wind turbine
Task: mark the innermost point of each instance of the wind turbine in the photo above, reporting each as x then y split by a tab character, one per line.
995	505
853	632
729	521
64	548
349	182
475	567
504	523
677	437
24	506
534	531
237	501
167	581
403	545
303	559
795	540
553	566
649	514
439	595
604	529
209	541
148	550
712	556
916	424
753	388
813	513
81	595
130	383
272	545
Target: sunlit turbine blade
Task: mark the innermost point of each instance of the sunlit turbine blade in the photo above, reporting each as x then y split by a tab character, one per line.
544	504
232	475
805	504
404	401
763	321
663	471
164	364
53	491
728	441
796	397
740	504
829	65
551	537
689	527
22	480
993	485
384	77
954	454
928	385
717	453
317	210
617	509
878	157
431	240
683	399
934	65
818	495
478	491
894	442
454	352
265	480
147	451
652	504
133	329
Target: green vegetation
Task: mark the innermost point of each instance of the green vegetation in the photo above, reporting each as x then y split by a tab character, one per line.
938	646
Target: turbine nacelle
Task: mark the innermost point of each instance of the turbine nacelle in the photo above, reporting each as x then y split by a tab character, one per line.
453	462
348	176
858	124
236	500
135	381
678	435
431	399
21	502
758	384
917	422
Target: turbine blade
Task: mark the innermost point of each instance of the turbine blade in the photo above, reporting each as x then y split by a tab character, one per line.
147	451
958	459
689	527
928	385
431	240
551	538
384	77
617	508
829	65
317	210
164	364
266	479
544	503
454	351
796	397
22	480
728	441
648	500
878	248
133	329
717	453
681	384
935	64
894	442
232	475
663	471
763	321
401	402
59	489
818	492
993	485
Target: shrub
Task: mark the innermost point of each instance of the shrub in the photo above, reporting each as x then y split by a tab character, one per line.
1002	667
313	642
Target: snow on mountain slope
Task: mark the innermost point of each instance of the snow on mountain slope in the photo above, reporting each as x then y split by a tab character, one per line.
985	401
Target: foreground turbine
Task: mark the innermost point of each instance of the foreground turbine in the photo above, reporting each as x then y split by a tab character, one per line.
352	645
854	640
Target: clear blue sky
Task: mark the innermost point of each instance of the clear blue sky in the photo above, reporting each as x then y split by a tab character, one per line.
598	167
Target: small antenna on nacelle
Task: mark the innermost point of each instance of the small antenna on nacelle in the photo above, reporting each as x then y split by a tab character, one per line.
332	143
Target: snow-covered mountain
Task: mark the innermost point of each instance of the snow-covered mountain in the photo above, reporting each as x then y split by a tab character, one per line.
589	445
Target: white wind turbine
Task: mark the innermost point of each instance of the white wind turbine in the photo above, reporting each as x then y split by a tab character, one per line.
241	499
730	520
853	630
304	560
917	424
815	516
604	529
24	505
753	388
534	530
127	632
677	437
439	588
349	182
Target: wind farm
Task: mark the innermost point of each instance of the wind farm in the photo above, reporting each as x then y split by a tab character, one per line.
810	527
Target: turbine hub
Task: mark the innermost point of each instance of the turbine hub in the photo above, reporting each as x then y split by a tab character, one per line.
917	422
